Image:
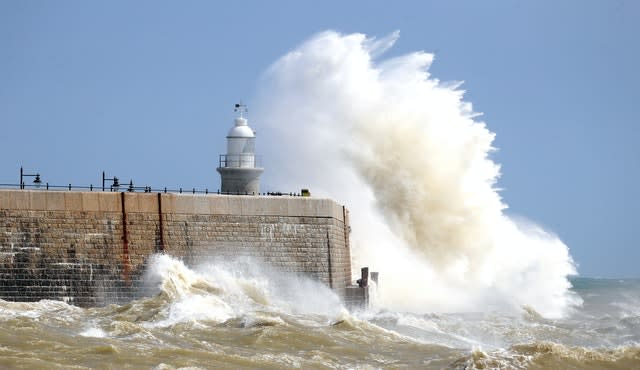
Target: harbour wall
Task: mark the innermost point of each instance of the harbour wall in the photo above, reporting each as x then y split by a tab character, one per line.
91	248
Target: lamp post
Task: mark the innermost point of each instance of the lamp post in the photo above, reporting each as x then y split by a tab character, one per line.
115	183
37	182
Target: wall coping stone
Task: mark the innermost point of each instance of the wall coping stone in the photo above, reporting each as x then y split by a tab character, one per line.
204	204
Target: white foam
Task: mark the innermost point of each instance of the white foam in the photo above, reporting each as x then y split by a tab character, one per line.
218	291
94	332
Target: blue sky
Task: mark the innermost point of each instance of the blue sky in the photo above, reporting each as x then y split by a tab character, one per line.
144	90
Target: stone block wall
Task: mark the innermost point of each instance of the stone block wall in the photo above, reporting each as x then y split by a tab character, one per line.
91	248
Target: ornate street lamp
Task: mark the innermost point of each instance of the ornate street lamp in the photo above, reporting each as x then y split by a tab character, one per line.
37	182
115	183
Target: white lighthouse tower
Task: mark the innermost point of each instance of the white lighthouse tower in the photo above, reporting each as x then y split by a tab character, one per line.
239	168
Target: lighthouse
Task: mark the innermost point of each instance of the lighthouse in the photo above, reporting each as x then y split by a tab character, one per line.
239	168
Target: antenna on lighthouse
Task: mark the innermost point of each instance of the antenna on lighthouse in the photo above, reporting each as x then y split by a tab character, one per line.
242	108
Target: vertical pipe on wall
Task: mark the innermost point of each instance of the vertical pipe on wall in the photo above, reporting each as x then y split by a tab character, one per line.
347	230
160	222
329	259
125	240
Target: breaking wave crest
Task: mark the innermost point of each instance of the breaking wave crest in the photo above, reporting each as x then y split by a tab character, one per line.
224	290
551	356
413	163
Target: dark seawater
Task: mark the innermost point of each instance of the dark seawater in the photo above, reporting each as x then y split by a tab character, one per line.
238	316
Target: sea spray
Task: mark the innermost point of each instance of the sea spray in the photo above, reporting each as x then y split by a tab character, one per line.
412	161
223	289
187	295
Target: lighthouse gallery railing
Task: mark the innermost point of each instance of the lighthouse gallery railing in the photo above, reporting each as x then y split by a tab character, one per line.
240	161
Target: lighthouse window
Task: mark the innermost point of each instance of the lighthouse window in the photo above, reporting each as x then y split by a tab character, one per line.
249	146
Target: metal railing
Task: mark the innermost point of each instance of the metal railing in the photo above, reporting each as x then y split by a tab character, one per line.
240	161
143	189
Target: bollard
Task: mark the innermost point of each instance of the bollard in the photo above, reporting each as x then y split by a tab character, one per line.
363	282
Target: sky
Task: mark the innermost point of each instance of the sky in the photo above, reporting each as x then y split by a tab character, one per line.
145	90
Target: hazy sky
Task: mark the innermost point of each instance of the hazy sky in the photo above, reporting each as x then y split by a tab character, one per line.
144	90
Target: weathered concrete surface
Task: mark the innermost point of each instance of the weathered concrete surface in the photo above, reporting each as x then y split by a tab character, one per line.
240	180
75	246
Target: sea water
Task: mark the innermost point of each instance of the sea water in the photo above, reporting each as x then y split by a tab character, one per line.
234	314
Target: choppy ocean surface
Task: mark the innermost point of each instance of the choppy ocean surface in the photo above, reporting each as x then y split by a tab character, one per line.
222	316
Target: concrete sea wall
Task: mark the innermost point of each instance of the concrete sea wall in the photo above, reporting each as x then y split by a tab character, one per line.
91	248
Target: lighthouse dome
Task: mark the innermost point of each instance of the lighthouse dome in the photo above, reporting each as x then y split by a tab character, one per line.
241	129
